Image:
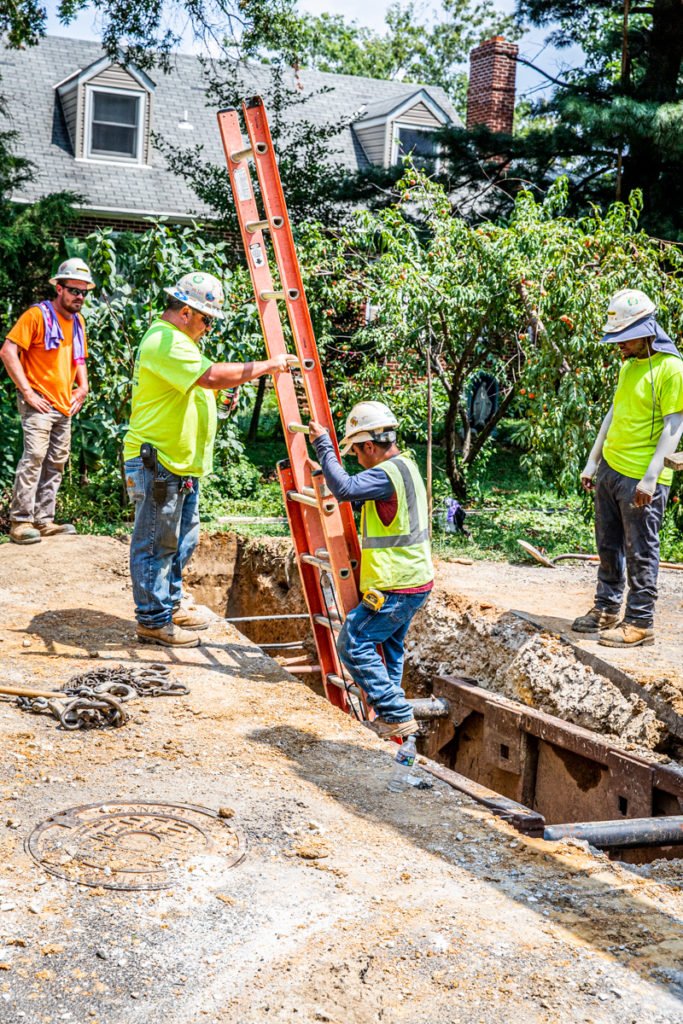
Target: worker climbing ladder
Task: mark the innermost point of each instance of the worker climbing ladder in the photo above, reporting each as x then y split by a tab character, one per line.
323	531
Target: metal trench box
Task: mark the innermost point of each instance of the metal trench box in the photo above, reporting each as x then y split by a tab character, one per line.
557	772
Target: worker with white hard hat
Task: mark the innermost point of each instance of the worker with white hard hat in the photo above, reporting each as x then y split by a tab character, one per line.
396	572
44	353
626	471
169	447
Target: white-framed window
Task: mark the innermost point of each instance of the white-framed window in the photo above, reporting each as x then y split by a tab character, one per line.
418	141
114	125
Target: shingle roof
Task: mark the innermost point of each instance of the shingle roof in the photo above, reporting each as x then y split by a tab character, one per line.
34	112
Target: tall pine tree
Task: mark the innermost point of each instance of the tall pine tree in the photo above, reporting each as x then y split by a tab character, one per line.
613	125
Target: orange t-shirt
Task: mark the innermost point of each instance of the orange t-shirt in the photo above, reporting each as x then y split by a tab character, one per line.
51	373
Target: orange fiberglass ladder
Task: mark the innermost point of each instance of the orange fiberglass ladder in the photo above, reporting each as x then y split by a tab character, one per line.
323	531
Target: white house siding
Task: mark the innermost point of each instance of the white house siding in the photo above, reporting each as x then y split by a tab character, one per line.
373	141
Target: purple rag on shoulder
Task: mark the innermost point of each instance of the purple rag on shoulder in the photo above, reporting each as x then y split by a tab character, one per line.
54	334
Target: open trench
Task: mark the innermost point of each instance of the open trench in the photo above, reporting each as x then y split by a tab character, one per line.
454	635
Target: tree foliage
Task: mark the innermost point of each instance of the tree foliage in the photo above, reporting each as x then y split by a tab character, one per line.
613	126
147	32
522	301
432	50
131	272
316	183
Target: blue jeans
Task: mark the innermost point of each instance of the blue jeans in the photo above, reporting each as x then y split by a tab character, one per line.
627	538
357	647
164	536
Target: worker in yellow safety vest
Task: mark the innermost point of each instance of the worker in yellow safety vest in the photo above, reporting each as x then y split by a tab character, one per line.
396	574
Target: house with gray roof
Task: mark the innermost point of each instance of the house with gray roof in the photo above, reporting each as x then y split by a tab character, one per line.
87	124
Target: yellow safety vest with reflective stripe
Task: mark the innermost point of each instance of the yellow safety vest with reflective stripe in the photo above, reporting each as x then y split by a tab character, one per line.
397	555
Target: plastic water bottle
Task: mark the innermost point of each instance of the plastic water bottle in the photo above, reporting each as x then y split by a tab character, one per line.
404	765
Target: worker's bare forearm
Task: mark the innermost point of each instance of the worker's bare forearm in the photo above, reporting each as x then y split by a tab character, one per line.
230	375
10	357
82	377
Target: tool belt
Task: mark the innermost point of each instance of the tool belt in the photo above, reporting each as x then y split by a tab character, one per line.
148	454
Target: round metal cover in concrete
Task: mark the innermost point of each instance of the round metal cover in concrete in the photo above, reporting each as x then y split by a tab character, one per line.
131	845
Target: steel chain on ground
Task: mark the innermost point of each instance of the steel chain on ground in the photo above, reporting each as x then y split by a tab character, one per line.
97	696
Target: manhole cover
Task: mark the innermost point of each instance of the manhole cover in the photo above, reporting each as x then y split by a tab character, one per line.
138	845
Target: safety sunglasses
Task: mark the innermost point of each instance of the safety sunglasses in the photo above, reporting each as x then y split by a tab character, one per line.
76	291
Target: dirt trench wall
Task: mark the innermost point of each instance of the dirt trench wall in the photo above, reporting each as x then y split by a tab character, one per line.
452	635
236	575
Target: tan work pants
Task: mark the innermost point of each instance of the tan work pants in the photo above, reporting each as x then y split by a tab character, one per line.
47	443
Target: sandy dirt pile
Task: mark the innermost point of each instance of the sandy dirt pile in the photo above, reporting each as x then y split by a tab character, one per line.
352	905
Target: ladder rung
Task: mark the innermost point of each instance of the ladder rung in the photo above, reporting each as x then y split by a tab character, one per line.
247	152
297	428
305	499
309	364
317	562
322	563
336	680
323	621
309	491
253	226
291	293
322	553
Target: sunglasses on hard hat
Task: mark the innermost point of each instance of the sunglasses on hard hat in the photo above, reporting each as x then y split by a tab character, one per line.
76	291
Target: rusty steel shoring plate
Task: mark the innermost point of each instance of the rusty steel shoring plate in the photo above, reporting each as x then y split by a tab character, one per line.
131	845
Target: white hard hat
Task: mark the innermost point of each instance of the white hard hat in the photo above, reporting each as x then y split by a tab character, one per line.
74	270
201	291
625	308
365	422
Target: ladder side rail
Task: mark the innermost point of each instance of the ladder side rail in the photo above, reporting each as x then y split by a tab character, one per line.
303	535
344	567
282	241
261	278
297	309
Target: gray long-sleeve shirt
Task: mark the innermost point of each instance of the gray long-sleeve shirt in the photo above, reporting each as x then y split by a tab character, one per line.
369	485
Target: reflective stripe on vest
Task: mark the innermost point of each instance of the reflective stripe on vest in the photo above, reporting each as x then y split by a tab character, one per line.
404	540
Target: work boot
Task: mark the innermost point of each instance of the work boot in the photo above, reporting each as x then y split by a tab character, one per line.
387	730
193	616
626	634
54	529
594	620
23	533
168	635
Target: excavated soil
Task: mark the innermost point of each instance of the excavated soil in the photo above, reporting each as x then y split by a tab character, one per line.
476	624
353	905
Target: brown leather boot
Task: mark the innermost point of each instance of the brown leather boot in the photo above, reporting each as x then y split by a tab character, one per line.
387	730
193	616
169	635
23	533
594	620
627	635
54	529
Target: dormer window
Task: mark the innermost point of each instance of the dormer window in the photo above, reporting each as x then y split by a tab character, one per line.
420	143
392	128
115	125
108	112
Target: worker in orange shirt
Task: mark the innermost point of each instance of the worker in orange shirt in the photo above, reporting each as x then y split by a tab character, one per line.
45	355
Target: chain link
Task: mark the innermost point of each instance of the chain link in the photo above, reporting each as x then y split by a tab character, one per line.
98	695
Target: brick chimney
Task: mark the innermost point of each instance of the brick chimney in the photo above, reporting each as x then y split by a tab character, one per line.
491	92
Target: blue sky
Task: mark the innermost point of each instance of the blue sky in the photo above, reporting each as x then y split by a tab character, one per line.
532	46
